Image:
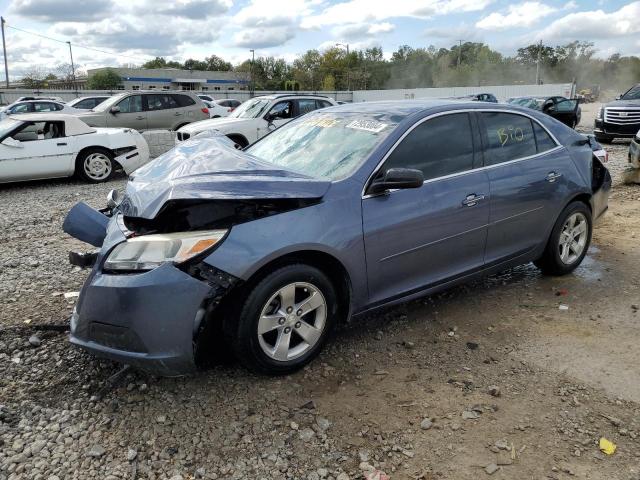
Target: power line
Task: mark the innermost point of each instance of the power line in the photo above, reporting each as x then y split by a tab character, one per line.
74	44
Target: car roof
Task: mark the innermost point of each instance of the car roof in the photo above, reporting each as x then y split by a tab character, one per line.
275	96
72	125
41	100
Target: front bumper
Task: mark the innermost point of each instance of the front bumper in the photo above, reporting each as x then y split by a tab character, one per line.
147	320
614	130
634	152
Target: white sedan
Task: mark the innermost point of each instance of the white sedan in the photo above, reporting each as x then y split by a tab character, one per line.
37	106
38	145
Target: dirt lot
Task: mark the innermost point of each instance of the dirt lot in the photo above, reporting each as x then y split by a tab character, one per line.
489	376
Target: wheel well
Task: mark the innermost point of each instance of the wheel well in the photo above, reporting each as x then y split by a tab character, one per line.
584	198
210	339
324	262
239	139
116	165
180	126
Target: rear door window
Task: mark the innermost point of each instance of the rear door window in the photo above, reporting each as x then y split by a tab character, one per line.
44	107
306	105
438	147
507	137
161	102
544	141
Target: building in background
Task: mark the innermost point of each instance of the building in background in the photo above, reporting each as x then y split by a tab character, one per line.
176	79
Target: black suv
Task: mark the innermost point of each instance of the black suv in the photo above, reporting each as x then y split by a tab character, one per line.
620	118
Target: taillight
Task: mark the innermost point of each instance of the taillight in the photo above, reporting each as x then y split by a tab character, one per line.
229	110
205	110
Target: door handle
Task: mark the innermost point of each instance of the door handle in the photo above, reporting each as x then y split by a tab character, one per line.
177	114
140	117
472	200
61	144
552	177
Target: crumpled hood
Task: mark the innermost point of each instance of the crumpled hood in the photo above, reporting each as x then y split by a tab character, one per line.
210	169
624	103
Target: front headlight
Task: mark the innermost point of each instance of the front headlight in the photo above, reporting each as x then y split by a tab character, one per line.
600	114
150	251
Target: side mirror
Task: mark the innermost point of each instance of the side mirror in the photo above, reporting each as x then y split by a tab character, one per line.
115	109
12	142
270	117
398	178
618	97
113	199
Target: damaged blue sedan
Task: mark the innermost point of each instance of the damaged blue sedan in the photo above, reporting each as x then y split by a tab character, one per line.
338	213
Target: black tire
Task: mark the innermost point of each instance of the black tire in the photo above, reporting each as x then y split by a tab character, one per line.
604	138
242	334
551	262
239	140
104	156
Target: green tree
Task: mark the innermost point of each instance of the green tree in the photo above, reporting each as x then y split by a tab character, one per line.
215	63
161	62
106	79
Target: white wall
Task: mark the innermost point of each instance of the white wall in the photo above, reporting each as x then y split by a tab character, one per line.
11	95
502	92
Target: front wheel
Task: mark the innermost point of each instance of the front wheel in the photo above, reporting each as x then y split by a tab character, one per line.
95	165
285	320
569	241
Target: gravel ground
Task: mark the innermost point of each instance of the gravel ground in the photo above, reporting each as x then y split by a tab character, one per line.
488	379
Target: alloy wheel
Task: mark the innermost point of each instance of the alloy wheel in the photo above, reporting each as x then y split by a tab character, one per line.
97	166
292	321
573	238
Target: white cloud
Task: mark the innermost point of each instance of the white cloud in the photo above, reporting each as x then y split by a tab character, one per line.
521	15
379	10
272	13
262	37
362	30
595	24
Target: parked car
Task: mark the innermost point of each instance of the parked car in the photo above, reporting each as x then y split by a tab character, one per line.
221	108
561	108
620	118
37	106
338	213
87	103
144	110
257	117
478	97
42	145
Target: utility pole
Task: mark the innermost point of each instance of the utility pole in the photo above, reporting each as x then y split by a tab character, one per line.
459	52
538	63
73	69
252	86
4	50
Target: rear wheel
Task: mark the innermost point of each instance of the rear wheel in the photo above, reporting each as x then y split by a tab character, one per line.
95	165
285	320
569	241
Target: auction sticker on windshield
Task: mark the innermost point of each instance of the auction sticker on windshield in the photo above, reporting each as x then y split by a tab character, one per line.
324	122
367	125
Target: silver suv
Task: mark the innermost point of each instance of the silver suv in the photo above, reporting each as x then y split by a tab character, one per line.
148	110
